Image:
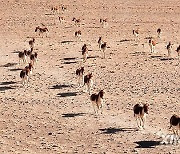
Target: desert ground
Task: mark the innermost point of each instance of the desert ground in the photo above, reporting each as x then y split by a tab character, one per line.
53	115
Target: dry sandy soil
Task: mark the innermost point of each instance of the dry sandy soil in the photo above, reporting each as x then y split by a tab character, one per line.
53	115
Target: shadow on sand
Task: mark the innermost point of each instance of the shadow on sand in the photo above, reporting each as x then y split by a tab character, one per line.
72	115
116	130
147	144
68	94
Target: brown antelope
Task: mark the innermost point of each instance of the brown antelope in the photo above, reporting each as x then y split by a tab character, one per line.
178	51
152	44
24	74
97	101
103	48
169	48
175	124
80	74
85	52
31	43
88	82
77	34
33	58
100	42
136	32
140	114
41	30
159	32
76	21
22	57
104	22
61	19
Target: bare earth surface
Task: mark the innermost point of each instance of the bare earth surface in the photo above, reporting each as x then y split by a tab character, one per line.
53	115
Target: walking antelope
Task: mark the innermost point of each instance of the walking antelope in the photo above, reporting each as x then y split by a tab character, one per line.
103	48
97	101
169	48
178	51
140	114
77	34
88	82
85	52
100	42
80	74
61	19
103	22
76	21
159	32
22	56
41	30
31	43
152	44
24	74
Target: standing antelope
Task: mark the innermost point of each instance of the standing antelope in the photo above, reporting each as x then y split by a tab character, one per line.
88	82
31	43
41	30
61	19
80	74
159	32
103	22
178	51
85	52
152	44
97	101
169	48
100	42
76	21
103	48
22	56
33	58
140	114
78	34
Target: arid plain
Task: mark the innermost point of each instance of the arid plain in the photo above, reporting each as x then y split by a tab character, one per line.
52	114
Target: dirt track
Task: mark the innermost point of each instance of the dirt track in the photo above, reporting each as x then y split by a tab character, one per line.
54	115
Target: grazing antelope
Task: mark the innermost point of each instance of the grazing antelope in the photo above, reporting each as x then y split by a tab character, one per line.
88	82
159	32
31	43
100	42
33	58
41	30
175	124
178	51
169	48
61	19
80	74
97	101
152	44
85	52
22	56
103	48
140	114
77	34
76	21
103	22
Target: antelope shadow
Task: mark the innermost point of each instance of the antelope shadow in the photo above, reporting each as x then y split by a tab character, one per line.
7	83
116	130
72	115
61	86
67	94
147	144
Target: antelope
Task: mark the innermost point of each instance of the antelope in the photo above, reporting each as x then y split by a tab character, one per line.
77	34
97	101
64	8
80	74
76	21
103	22
29	52
55	9
175	124
140	113
33	58
159	32
169	48
103	48
88	82
152	44
31	43
41	30
136	32
61	19
24	74
22	56
178	51
85	52
100	42
29	69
